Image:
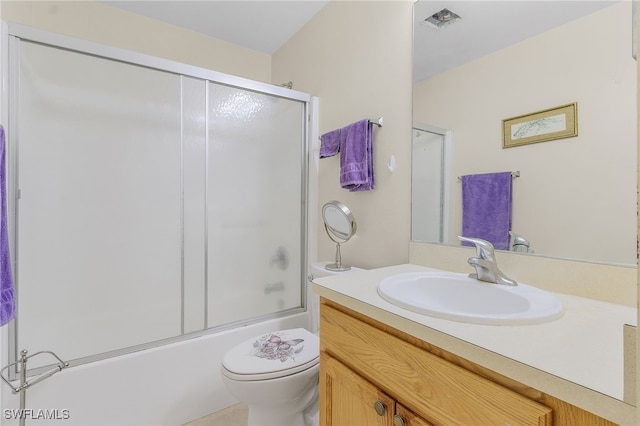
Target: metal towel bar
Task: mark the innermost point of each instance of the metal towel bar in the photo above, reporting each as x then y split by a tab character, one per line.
514	175
24	383
377	122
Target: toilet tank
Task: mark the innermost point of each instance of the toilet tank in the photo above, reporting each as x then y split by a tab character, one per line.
317	270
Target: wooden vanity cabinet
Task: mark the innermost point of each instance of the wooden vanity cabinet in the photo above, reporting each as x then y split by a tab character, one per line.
366	365
351	400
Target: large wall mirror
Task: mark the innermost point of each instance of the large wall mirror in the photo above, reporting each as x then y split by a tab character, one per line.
575	198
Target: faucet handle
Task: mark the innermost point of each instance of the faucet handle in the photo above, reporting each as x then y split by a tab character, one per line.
484	249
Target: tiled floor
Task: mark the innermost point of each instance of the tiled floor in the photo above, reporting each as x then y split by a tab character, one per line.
236	415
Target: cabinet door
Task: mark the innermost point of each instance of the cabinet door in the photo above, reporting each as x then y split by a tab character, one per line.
435	389
405	417
347	399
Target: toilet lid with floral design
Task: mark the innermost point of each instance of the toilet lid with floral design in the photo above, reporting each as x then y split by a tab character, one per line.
273	354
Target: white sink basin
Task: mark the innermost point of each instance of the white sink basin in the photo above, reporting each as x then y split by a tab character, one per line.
457	297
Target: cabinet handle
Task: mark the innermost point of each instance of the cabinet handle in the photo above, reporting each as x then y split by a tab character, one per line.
380	408
398	421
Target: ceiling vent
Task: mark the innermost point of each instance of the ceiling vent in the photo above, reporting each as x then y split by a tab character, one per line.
442	18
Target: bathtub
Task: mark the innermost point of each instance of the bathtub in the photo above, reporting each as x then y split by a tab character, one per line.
167	385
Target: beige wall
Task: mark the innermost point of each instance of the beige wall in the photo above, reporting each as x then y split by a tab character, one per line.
576	197
100	23
356	57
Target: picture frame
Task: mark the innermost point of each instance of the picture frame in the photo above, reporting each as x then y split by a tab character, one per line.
554	123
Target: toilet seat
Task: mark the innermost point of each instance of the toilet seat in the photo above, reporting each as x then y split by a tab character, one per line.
272	355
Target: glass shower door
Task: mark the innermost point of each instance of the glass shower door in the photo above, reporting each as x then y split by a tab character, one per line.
427	186
254	204
150	204
99	214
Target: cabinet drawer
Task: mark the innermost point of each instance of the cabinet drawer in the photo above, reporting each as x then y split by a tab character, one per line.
439	391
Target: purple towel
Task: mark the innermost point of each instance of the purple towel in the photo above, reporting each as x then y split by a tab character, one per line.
330	143
486	208
356	156
7	294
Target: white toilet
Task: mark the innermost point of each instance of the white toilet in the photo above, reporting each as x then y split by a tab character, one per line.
276	374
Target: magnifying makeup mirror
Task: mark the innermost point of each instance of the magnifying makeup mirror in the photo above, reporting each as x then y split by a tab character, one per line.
340	226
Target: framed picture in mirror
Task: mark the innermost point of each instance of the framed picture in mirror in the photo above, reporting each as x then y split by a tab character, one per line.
541	126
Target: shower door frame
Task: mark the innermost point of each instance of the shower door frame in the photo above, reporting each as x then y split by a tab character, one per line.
12	33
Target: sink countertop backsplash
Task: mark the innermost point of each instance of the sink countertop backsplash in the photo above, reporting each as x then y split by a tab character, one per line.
609	283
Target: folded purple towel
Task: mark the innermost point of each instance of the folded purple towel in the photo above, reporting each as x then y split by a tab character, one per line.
356	156
7	292
486	208
330	143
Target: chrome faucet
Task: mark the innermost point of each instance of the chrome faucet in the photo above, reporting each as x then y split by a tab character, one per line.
485	263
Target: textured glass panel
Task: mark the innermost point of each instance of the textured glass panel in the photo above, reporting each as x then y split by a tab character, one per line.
99	220
253	204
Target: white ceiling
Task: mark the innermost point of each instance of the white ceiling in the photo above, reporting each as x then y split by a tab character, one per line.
262	25
265	25
486	26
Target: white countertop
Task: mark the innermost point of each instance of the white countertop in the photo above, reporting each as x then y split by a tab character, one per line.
577	358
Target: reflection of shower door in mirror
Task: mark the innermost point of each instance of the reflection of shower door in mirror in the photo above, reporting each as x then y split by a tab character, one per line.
428	184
